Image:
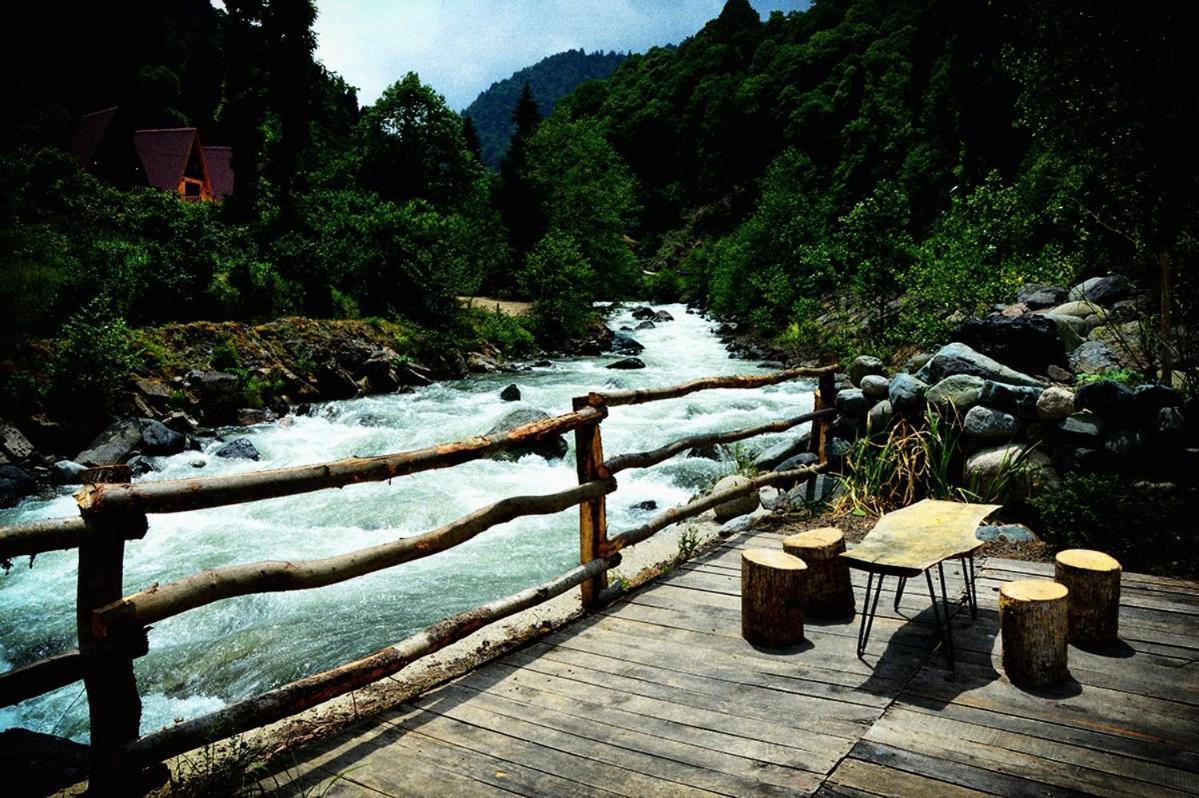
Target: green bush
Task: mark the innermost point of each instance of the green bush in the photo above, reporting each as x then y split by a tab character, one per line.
503	332
1136	522
559	280
92	361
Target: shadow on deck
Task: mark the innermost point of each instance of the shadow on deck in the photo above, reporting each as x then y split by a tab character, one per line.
658	695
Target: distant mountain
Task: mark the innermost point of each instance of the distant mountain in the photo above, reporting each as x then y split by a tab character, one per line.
550	79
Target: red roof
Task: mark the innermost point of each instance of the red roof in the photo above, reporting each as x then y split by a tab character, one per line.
164	154
88	134
220	170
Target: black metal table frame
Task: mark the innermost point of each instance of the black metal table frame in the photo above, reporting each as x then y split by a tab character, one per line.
943	619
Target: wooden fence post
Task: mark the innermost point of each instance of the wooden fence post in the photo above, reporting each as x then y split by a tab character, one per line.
593	514
826	396
114	706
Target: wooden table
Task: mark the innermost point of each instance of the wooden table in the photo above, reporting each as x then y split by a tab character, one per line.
910	542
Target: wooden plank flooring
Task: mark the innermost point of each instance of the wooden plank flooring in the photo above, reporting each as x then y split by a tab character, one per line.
658	695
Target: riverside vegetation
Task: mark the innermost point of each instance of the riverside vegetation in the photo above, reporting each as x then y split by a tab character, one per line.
861	178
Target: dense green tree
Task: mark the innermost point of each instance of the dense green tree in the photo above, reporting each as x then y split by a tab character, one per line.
559	280
471	136
519	201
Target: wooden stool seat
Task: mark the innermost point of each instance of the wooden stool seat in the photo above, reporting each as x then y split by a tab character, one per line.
1093	579
1033	620
827	590
771	597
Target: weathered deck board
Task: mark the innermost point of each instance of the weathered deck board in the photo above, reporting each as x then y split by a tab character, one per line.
658	695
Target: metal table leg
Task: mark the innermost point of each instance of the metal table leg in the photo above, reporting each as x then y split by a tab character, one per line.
943	623
903	582
868	611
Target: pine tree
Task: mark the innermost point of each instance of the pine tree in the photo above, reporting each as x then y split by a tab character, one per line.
471	135
519	203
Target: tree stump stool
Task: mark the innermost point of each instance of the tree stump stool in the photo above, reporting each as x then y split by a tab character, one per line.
827	591
771	598
1033	622
1093	579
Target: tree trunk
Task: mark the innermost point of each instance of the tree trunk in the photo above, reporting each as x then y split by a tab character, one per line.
1033	620
1093	579
827	591
771	598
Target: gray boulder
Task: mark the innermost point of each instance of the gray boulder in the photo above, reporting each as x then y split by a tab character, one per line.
801	460
906	394
1018	399
986	423
14	446
67	472
742	505
851	404
15	484
1106	291
141	465
551	448
1106	398
1070	331
662	315
957	358
511	393
1019	469
220	394
239	449
159	439
1038	297
776	454
1093	357
1055	404
628	363
863	365
646	325
916	362
878	420
874	386
1082	429
1026	343
960	391
113	445
1079	309
626	345
643	312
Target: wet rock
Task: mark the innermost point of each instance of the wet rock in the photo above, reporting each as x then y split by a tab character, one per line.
626	345
985	423
67	472
1018	399
249	416
1059	374
801	460
181	422
878	420
1083	429
1038	297
742	505
154	392
906	394
863	365
511	393
874	386
239	449
14	446
159	439
647	506
479	363
1106	398
1093	357
380	374
1106	291
334	382
1055	404
958	358
113	445
851	403
141	465
551	448
960	391
628	363
646	325
643	313
711	452
781	451
15	484
1026	343
662	315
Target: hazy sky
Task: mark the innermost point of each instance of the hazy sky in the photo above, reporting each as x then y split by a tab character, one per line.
460	47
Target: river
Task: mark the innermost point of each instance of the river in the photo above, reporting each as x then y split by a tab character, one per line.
205	658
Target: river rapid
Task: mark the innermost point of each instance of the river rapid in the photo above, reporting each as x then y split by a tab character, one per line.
203	659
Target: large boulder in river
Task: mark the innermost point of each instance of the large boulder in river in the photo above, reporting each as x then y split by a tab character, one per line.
14	446
626	345
511	393
1026	343
15	484
552	447
628	363
958	358
120	440
742	505
643	313
1106	291
239	449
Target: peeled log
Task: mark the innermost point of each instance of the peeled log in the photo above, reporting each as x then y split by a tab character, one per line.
827	591
1093	579
771	598
1033	622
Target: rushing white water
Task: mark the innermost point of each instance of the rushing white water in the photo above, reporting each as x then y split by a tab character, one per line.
205	658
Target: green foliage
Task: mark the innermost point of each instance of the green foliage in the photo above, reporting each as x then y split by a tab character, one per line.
689	543
559	280
1138	523
503	332
93	358
1126	377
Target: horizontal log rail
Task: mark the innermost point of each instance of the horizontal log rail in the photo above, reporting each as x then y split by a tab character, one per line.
643	395
36	537
39	677
291	699
164	601
646	459
684	511
182	495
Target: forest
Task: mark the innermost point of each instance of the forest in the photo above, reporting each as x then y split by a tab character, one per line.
910	161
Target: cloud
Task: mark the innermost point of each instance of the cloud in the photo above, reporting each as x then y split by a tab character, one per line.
460	47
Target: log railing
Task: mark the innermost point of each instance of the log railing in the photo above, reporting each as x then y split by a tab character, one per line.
112	628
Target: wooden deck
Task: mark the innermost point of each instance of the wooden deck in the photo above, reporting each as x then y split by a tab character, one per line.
658	695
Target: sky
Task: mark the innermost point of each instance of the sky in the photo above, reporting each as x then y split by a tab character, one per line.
460	47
